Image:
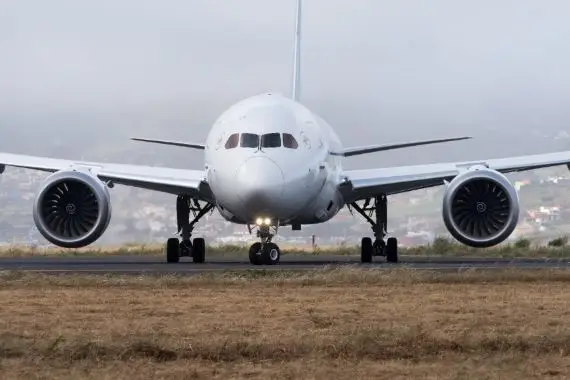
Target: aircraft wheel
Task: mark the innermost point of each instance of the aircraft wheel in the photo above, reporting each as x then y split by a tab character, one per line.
254	254
172	250
366	250
199	250
271	254
392	250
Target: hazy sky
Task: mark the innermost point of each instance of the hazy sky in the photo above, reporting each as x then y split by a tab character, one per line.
420	64
399	51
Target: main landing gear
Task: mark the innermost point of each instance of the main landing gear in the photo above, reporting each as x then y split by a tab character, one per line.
186	247
378	247
264	252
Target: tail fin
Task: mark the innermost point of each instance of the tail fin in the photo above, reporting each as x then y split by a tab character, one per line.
296	86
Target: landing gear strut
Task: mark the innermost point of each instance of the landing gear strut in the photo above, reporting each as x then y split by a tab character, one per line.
186	247
264	252
378	247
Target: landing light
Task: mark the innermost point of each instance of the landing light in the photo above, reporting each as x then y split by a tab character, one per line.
262	221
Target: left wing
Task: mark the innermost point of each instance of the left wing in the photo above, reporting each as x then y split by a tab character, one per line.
359	184
354	151
168	180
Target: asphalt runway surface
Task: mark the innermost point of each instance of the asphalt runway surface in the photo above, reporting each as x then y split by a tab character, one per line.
155	264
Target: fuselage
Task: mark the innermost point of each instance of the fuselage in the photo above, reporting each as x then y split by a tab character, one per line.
269	157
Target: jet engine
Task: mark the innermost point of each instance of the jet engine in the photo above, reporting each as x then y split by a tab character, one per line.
480	207
72	209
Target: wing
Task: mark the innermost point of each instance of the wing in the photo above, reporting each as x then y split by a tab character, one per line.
168	180
172	143
354	151
359	184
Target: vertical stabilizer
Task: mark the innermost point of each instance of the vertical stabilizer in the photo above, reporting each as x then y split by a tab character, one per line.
296	88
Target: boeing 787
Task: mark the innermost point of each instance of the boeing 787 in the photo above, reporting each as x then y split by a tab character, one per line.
269	162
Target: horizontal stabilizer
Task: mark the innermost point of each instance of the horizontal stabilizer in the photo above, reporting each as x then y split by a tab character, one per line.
378	148
173	143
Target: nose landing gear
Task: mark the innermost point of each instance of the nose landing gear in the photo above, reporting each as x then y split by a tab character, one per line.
264	252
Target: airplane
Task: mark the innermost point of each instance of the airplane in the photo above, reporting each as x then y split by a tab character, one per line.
269	162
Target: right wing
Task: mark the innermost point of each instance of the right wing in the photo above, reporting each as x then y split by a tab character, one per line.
364	183
168	180
172	143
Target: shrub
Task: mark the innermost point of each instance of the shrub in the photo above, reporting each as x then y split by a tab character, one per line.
522	243
558	242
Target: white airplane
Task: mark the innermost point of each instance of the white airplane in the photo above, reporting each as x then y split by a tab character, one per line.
271	162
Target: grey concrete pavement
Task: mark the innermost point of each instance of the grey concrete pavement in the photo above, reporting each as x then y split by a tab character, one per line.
147	264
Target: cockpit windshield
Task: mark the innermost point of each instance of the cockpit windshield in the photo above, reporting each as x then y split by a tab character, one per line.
271	140
268	140
249	140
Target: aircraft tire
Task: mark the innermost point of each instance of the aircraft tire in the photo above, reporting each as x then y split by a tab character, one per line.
254	256
199	250
392	250
172	250
366	250
271	254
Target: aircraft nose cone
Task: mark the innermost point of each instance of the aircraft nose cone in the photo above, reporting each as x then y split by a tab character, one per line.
259	183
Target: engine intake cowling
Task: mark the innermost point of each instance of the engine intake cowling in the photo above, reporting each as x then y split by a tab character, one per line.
480	207
72	209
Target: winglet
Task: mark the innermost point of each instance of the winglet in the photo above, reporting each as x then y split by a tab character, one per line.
173	143
377	148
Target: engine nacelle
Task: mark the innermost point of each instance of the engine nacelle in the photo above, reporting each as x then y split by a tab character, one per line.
480	207
72	209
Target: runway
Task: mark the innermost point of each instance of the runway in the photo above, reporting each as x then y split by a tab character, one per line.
148	264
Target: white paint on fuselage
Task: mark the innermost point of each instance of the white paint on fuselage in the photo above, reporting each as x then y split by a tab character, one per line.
286	185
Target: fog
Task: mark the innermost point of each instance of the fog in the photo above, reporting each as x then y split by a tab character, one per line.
86	75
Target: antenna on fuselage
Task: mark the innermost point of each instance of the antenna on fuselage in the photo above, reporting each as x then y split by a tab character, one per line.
296	85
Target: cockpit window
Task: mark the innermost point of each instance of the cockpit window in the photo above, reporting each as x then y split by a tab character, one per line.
268	140
249	140
271	140
289	141
233	141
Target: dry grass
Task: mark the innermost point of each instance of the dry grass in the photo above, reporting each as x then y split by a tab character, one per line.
343	323
557	248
